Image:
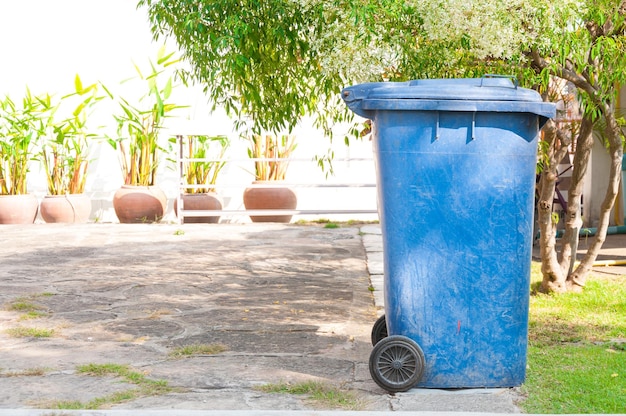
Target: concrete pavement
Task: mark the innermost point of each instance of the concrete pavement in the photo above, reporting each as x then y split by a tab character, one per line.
290	303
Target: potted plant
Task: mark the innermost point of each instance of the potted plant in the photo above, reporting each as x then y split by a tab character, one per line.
270	154
20	129
137	143
204	155
65	158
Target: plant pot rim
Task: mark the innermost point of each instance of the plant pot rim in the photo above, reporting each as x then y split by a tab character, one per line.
29	195
63	195
139	186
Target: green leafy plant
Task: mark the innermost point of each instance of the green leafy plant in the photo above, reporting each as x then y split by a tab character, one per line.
138	126
21	126
269	154
204	172
65	153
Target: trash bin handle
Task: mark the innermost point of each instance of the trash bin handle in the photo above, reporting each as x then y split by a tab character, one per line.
511	77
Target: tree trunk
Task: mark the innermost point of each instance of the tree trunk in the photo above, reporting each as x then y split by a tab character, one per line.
573	220
576	281
554	276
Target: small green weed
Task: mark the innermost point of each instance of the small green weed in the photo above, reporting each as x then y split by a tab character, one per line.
146	387
323	395
27	305
196	349
24	332
32	315
331	225
21	305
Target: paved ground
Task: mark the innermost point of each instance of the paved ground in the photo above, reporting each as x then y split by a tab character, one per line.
290	303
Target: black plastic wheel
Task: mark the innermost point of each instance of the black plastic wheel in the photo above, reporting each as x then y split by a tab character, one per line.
379	330
396	363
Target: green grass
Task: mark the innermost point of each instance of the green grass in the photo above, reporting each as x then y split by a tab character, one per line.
145	387
30	309
322	395
196	349
577	349
24	332
575	378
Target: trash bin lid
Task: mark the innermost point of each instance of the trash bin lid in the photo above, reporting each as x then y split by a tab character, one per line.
494	94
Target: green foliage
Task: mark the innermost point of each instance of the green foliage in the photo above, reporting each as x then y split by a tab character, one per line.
277	60
204	172
66	150
21	126
269	154
271	62
138	126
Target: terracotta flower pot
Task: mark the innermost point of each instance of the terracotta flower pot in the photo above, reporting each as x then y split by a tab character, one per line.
201	202
72	208
270	198
139	204
18	209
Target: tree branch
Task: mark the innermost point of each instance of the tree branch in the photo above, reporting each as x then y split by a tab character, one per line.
565	73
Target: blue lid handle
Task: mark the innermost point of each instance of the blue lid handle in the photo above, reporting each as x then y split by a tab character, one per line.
353	97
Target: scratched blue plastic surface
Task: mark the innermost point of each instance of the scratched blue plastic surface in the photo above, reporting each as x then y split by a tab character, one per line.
456	192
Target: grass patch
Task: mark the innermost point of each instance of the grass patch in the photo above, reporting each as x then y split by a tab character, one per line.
321	394
576	379
24	332
30	309
577	349
32	315
196	349
145	387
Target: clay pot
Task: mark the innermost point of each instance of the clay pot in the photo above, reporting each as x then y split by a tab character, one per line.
72	208
139	204
270	198
18	209
200	202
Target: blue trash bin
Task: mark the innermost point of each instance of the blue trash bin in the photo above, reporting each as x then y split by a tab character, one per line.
455	162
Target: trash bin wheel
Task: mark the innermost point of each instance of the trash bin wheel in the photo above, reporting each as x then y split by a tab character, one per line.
379	330
396	363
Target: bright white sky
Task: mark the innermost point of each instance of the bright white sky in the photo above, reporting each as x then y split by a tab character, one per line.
46	42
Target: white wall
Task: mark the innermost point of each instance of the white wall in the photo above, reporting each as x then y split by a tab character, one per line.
45	43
